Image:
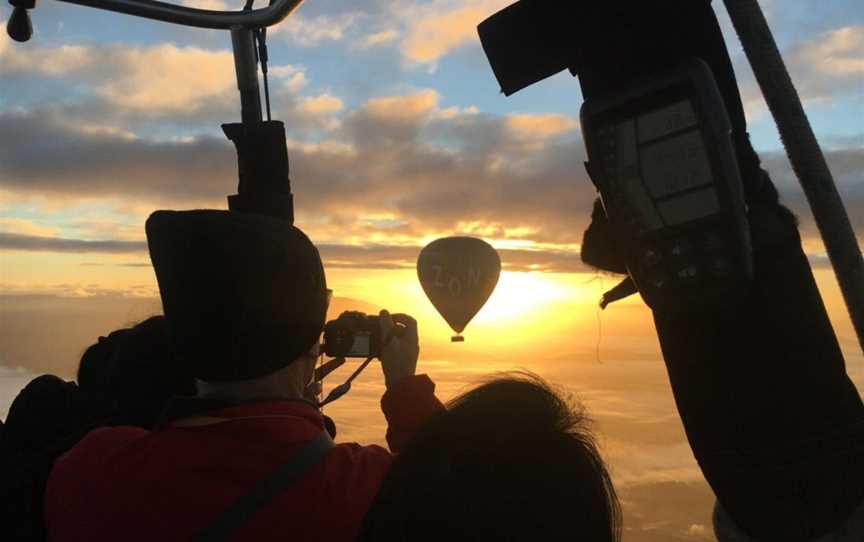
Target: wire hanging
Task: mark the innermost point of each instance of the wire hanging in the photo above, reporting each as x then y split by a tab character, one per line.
261	38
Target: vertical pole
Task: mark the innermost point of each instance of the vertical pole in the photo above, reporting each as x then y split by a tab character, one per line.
246	66
804	153
262	156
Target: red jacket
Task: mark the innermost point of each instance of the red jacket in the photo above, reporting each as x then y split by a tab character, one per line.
127	483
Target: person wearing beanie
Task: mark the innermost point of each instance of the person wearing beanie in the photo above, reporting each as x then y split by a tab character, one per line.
249	457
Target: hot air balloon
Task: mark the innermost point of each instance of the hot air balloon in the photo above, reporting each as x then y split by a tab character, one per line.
458	275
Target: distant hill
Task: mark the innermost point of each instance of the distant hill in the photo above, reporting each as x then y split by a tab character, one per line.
48	334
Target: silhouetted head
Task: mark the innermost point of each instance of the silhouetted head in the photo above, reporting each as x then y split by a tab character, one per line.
510	460
46	411
143	374
244	295
95	365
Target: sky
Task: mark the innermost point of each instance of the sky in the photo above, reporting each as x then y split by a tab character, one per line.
397	135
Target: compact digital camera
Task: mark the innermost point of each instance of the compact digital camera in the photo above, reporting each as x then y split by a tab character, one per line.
353	335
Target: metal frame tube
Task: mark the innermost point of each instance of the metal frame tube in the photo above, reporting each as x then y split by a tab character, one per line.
200	18
246	66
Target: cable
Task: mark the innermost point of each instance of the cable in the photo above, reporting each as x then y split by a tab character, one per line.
345	387
261	38
598	311
598	277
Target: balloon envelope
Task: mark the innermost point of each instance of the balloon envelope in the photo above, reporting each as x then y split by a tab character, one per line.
458	275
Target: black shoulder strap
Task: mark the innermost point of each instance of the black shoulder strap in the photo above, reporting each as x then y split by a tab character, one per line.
246	507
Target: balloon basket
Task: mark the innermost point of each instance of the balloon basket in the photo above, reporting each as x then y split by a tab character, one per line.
457	339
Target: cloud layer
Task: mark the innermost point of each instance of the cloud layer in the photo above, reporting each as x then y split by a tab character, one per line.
133	128
396	166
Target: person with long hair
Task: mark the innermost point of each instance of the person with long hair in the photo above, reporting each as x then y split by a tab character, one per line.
511	459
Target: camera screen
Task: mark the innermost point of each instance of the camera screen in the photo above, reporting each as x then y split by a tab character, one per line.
361	345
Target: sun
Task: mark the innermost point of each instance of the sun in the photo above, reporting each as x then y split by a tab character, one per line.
518	295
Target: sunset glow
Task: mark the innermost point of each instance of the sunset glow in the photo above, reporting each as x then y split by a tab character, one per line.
521	296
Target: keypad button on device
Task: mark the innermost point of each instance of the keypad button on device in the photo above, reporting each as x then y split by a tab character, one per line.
657	278
720	267
650	258
687	274
653	268
714	242
680	249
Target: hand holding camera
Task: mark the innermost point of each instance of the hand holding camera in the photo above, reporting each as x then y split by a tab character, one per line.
391	338
399	354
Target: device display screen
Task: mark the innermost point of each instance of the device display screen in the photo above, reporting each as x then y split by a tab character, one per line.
361	345
675	165
662	156
659	162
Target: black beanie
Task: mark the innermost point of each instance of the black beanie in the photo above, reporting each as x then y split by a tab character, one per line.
244	295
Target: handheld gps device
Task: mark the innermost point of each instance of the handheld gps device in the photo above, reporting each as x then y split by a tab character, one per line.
661	154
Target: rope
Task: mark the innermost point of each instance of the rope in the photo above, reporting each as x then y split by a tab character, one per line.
804	153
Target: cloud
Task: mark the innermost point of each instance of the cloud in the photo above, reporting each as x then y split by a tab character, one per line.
14	293
169	78
429	170
43	155
324	104
162	89
313	31
405	257
25	227
53	61
158	79
408	108
847	168
17	241
541	126
434	170
697	529
435	29
367	256
101	223
387	122
379	38
294	77
838	53
827	67
120	264
660	512
830	65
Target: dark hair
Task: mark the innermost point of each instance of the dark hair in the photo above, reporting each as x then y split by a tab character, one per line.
130	374
508	460
142	374
95	365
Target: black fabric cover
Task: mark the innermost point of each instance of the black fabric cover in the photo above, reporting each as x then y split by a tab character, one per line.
244	295
598	243
772	418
